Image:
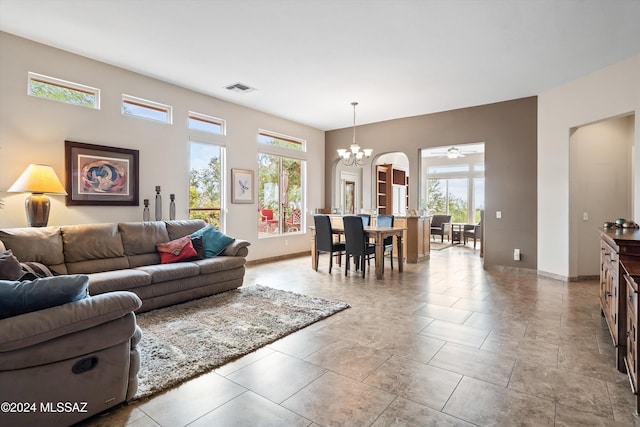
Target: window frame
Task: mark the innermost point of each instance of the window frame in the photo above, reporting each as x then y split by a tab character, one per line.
302	143
63	84
205	118
148	104
223	176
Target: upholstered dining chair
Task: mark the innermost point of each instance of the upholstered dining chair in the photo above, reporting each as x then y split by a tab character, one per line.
440	226
386	221
366	219
357	245
325	242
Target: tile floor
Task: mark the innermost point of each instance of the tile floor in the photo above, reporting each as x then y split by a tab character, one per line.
444	343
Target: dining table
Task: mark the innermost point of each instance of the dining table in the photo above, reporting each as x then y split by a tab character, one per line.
378	234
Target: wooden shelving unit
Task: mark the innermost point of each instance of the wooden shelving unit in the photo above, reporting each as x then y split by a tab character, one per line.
386	177
383	188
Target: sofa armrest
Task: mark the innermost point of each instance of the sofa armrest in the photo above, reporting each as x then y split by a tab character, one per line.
237	248
44	325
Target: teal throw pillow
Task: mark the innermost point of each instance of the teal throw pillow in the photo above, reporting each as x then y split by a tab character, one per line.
32	295
213	239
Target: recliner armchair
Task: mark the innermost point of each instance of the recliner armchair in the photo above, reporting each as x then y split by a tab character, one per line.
440	226
83	352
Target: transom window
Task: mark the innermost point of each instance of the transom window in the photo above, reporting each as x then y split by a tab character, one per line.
278	140
205	123
145	109
65	91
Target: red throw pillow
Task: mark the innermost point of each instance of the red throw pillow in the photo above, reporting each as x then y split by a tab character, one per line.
176	250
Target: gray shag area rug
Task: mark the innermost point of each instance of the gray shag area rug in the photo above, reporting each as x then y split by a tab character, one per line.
185	340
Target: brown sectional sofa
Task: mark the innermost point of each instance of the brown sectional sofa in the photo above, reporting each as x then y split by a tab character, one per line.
85	351
123	257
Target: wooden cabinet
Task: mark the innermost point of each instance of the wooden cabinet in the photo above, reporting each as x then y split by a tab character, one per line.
631	355
418	239
386	178
609	292
619	278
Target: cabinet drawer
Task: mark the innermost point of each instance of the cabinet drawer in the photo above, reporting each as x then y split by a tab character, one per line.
630	249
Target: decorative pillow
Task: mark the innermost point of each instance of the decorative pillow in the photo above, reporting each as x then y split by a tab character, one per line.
32	295
176	250
198	245
214	240
9	266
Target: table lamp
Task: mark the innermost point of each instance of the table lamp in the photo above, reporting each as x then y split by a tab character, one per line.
37	180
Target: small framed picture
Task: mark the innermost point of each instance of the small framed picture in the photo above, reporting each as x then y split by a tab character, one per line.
242	186
412	212
101	175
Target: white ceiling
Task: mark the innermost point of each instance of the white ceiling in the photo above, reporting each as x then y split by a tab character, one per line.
309	59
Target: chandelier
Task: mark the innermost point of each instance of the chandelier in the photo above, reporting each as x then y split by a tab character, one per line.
353	156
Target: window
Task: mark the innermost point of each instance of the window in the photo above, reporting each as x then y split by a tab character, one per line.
206	182
277	140
145	109
63	91
453	186
280	195
204	123
449	196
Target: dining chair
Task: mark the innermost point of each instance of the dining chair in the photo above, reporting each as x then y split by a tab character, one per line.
386	221
366	219
325	242
357	245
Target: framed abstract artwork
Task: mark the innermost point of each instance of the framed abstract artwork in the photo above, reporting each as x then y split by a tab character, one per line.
101	175
242	186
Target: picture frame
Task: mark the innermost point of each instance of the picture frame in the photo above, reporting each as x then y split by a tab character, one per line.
99	175
242	186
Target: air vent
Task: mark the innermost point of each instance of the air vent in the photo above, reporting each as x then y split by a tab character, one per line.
240	88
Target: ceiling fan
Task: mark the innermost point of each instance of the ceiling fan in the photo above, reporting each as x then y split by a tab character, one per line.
453	153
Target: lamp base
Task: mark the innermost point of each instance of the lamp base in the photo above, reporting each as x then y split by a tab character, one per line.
37	208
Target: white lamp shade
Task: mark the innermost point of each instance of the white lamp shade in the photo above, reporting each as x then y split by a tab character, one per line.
38	179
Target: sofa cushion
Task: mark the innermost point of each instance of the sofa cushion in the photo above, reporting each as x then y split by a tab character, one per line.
176	250
117	280
220	263
214	240
43	244
142	237
165	272
31	295
140	240
10	268
91	241
181	228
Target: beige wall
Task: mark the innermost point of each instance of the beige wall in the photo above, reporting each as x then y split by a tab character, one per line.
611	92
33	130
509	132
600	186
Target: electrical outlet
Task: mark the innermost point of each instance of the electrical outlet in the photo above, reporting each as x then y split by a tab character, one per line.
585	216
516	254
